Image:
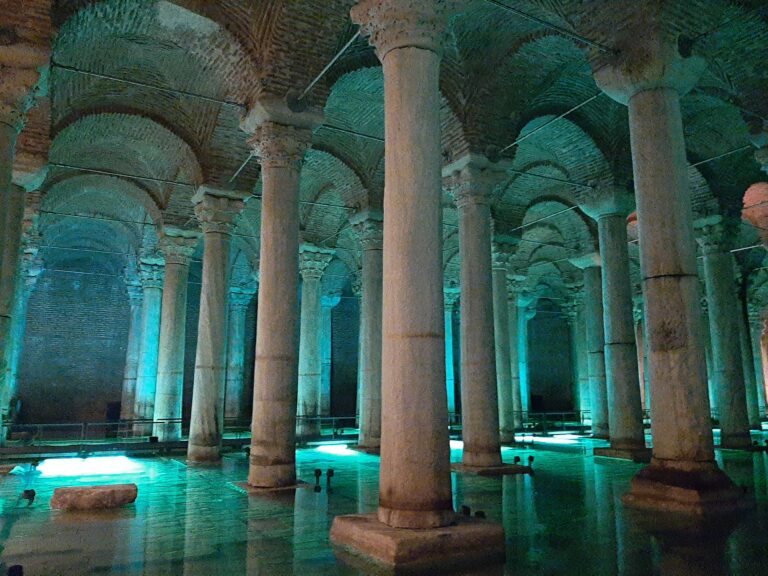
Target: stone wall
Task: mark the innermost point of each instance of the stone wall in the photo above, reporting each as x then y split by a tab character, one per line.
345	321
74	348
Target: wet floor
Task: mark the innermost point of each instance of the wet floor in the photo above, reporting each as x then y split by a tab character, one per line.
566	519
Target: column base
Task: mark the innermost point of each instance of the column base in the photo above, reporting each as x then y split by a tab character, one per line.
500	470
599	436
271	476
641	455
203	454
256	490
704	490
508	438
372	450
736	441
363	541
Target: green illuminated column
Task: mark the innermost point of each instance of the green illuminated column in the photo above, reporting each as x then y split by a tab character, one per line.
514	353
132	349
501	336
451	299
151	273
234	396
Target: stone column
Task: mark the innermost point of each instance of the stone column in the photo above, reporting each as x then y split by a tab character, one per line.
368	226
312	263
216	210
650	79
585	389
132	349
724	332
234	395
503	349
593	312
513	324
471	188
273	451
570	312
610	207
177	246
327	303
151	274
642	352
451	298
755	327
415	480
748	369
711	373
524	315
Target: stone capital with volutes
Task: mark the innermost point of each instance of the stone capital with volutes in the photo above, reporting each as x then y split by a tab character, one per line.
715	234
472	179
240	300
601	201
646	58
216	209
451	295
393	24
151	273
135	292
330	300
369	227
178	245
313	261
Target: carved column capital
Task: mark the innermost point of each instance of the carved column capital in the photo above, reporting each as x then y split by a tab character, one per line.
178	246
280	145
151	274
714	234
369	227
392	24
451	295
217	209
472	178
313	261
239	299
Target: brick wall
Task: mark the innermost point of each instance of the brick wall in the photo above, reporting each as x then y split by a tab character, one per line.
74	348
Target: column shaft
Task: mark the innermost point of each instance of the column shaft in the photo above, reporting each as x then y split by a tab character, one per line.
748	369
11	218
415	480
514	359
146	375
726	350
170	366
522	348
625	415
207	421
326	353
132	352
310	363
503	360
450	378
682	434
593	312
234	396
370	339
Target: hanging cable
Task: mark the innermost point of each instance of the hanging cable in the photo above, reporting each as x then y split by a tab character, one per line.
328	66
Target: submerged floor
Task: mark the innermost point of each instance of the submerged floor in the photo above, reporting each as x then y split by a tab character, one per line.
567	519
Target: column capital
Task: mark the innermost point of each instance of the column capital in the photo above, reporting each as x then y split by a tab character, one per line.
135	292
647	59
239	299
499	258
330	300
151	273
280	145
472	178
392	24
369	226
714	234
216	209
451	295
313	261
609	200
356	284
638	308
178	245
585	261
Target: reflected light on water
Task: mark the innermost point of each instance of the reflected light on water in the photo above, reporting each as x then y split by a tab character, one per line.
97	466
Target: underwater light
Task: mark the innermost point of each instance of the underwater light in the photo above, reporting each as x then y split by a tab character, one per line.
336	450
96	466
457	444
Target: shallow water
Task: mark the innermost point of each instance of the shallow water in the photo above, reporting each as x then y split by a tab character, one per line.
566	519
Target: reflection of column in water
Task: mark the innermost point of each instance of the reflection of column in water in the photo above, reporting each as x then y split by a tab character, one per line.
601	538
310	529
367	488
699	551
519	512
270	533
159	510
633	548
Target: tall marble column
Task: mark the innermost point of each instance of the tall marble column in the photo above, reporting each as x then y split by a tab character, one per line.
610	207
593	312
755	328
451	299
368	226
177	246
471	187
132	349
642	352
525	312
216	210
327	303
503	349
650	80
748	369
312	263
234	395
273	428
724	332
514	354
151	274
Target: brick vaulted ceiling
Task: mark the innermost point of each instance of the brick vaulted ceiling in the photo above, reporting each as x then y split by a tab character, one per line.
503	76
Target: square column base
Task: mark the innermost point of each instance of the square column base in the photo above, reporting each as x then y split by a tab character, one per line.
256	491
641	455
364	541
700	492
371	450
502	470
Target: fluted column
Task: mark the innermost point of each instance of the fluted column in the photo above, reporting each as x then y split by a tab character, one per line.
132	349
328	303
650	80
724	333
234	395
593	307
151	274
273	428
451	299
177	247
368	226
513	324
216	211
312	263
415	482
501	337
610	207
